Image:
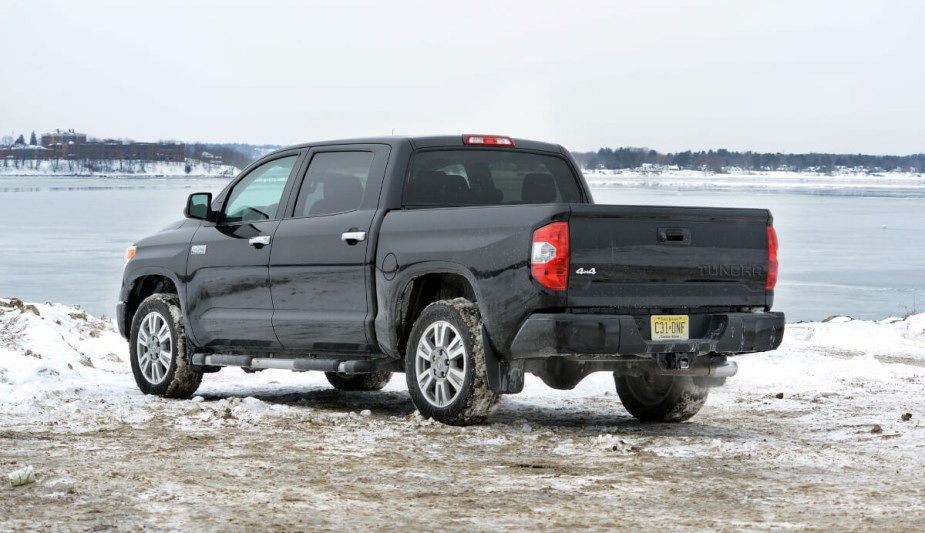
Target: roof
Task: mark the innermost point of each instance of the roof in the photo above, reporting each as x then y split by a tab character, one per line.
428	142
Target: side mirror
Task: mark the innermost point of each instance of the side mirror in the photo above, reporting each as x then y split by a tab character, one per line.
199	206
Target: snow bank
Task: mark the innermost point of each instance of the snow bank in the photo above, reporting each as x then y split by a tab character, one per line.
46	348
890	339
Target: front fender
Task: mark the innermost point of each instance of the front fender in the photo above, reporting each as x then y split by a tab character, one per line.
129	283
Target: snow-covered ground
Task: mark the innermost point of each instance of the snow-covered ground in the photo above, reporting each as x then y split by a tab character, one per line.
826	433
776	180
117	168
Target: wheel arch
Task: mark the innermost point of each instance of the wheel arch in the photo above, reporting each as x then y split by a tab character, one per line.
144	286
424	288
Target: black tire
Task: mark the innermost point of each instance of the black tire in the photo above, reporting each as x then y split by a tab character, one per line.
161	364
359	382
466	397
658	398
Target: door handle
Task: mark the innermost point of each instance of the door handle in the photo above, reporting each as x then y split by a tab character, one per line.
353	236
259	241
674	235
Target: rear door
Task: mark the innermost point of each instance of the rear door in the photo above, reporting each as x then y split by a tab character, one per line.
228	290
320	266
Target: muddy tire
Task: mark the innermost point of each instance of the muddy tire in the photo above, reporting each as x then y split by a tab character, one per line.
656	398
157	349
445	364
358	382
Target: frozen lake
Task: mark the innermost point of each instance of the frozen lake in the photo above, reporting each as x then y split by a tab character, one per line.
64	238
857	251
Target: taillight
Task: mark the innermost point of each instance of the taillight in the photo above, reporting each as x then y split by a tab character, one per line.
549	259
772	259
488	140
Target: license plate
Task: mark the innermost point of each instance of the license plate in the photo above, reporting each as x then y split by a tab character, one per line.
670	328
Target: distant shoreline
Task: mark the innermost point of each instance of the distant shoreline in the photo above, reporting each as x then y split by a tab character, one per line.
756	180
120	169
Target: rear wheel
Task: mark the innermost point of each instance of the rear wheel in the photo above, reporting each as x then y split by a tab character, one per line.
445	364
358	382
659	398
157	349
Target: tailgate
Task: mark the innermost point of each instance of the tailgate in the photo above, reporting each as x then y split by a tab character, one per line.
645	257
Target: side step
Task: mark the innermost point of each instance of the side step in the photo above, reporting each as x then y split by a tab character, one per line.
361	366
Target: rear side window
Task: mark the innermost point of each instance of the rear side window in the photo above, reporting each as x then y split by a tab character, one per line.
443	178
334	183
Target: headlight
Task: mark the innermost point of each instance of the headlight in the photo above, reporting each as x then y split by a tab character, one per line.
129	254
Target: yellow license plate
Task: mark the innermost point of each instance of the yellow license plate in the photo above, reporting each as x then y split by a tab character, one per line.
670	328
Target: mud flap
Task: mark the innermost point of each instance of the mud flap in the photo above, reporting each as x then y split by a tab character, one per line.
504	377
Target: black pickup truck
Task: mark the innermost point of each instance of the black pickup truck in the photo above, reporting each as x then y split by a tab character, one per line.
463	261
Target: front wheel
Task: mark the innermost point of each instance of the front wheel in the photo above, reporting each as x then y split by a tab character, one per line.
658	398
157	349
445	364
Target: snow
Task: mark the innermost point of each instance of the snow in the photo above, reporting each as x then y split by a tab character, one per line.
55	358
814	435
764	180
120	169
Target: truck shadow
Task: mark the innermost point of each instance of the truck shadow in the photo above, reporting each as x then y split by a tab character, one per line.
382	404
584	416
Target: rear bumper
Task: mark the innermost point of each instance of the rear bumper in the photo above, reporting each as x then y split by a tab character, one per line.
550	335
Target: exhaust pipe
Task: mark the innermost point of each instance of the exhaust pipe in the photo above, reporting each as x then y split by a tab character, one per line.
726	369
688	365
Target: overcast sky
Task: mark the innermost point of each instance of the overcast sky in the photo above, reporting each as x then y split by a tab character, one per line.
796	76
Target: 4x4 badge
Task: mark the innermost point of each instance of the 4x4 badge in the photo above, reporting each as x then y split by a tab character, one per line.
581	271
197	249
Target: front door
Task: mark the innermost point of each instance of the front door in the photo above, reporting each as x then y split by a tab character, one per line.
320	267
228	288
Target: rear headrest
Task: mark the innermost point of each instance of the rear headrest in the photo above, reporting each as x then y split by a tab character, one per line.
424	189
454	188
341	193
538	189
437	188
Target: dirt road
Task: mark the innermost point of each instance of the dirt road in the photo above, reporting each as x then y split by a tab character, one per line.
282	459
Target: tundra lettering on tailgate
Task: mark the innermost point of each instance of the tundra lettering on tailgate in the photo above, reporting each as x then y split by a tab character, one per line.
734	271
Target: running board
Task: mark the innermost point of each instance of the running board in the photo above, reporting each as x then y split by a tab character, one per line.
298	365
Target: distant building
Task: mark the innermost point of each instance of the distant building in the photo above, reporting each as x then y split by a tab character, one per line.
59	137
212	159
71	145
25	151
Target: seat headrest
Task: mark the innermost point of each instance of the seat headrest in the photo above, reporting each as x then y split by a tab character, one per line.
341	193
538	188
438	188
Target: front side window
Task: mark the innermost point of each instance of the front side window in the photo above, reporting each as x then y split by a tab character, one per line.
444	178
334	183
257	196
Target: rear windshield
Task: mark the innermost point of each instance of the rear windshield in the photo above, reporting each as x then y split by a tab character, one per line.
442	178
